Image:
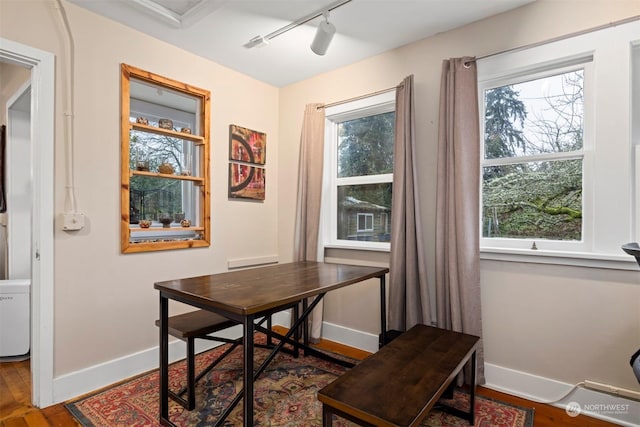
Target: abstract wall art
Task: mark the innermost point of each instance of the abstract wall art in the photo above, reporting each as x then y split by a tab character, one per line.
247	159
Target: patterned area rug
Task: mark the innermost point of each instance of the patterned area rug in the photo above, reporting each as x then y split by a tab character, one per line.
285	396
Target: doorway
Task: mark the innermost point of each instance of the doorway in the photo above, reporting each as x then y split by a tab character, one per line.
42	101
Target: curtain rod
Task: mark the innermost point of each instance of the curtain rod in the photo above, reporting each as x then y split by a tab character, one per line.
559	38
357	98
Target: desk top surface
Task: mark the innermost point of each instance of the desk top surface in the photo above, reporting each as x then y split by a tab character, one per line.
258	290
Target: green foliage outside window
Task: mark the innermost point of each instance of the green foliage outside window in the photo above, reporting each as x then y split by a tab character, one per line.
366	146
365	149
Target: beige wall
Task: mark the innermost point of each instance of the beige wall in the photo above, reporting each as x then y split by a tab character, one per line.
562	323
105	304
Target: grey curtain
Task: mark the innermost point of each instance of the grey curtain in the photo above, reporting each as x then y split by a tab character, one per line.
310	197
408	290
457	203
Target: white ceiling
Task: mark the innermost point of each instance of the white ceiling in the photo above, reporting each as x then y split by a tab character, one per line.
218	29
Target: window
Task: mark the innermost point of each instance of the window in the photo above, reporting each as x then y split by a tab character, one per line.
557	176
165	163
365	222
532	171
359	172
149	197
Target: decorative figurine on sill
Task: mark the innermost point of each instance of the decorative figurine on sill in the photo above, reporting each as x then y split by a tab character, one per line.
165	168
185	223
144	223
165	221
165	124
142	120
185	130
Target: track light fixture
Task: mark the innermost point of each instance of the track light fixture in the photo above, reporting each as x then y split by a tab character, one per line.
323	36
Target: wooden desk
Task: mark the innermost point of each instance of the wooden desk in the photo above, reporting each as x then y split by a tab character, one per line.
398	385
246	295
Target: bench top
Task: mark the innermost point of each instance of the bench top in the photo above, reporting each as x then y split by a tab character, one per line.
398	385
197	323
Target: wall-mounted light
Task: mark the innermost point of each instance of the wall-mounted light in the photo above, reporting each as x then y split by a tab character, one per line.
324	34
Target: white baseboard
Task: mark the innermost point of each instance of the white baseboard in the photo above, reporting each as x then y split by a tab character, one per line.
592	403
351	337
595	404
95	377
78	383
336	333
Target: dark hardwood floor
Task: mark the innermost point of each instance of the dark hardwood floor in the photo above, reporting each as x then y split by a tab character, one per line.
16	409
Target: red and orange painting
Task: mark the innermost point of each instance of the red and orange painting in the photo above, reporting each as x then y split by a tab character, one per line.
246	181
246	145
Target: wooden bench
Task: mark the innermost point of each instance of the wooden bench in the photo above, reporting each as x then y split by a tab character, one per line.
188	327
400	384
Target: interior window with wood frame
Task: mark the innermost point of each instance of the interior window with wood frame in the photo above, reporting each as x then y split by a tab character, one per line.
165	188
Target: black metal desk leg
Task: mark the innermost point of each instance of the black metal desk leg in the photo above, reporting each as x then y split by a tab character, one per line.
305	330
296	335
164	361
383	311
247	343
191	373
472	393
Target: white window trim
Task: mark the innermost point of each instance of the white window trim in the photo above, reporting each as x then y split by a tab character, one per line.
611	50
377	104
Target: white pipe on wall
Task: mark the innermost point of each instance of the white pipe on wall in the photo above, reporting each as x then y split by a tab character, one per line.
70	199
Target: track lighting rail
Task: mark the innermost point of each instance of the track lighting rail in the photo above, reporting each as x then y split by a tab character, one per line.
262	40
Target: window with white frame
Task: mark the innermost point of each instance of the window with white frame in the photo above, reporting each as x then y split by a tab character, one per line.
365	222
359	140
555	127
532	168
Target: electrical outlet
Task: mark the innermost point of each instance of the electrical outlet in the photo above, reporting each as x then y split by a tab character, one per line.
72	221
611	389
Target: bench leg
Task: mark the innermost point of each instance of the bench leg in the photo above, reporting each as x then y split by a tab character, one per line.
191	374
327	416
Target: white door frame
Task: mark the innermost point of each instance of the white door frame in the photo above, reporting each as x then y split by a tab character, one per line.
42	65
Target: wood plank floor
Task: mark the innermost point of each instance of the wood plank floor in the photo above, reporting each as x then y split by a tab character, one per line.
16	409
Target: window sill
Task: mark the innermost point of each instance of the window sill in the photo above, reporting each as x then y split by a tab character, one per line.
358	248
579	259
